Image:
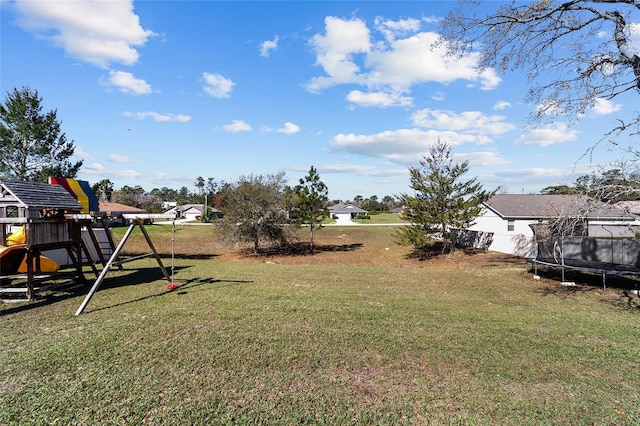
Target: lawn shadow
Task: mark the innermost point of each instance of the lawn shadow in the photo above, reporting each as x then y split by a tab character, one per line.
502	259
436	249
301	249
563	291
135	276
588	279
182	256
626	300
619	298
186	284
48	298
57	293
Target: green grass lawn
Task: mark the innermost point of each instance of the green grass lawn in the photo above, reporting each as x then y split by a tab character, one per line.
334	338
381	218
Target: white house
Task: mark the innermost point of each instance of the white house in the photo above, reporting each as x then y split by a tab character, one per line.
342	212
192	211
508	216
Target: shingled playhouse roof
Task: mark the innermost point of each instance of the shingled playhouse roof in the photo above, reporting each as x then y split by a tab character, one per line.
38	195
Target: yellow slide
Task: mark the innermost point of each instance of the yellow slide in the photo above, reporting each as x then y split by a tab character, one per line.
17	237
15	244
10	259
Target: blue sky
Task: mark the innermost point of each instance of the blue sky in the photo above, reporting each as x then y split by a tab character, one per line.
157	93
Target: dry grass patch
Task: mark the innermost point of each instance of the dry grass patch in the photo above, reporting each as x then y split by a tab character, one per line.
335	245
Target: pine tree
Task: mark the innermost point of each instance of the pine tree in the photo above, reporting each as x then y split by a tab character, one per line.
443	200
311	197
32	146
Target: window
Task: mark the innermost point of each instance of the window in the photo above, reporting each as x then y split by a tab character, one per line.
511	225
12	211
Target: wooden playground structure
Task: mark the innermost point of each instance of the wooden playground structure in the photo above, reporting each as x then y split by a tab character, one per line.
37	218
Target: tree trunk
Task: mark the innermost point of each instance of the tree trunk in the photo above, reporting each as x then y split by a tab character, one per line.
446	246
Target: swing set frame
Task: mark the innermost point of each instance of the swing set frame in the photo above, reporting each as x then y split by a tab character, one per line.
115	260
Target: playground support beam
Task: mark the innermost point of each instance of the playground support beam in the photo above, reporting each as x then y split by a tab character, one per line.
136	220
105	269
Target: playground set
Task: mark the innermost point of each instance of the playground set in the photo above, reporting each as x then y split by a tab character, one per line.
60	216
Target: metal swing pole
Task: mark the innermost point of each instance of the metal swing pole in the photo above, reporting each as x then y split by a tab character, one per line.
173	243
172	285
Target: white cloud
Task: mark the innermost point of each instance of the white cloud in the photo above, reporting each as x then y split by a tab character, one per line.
128	174
237	126
127	83
474	122
634	37
80	153
404	146
335	49
528	179
141	115
533	173
438	96
378	99
93	168
357	169
289	128
604	107
393	29
118	158
267	46
417	60
349	54
500	105
552	134
481	159
217	86
94	31
548	107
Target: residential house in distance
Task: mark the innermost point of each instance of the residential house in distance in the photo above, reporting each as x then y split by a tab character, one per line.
113	212
191	212
343	212
507	217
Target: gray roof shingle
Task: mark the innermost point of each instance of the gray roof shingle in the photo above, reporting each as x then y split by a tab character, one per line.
39	195
543	206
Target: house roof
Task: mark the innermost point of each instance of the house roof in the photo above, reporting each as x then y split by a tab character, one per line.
632	207
346	208
543	206
117	209
38	195
185	207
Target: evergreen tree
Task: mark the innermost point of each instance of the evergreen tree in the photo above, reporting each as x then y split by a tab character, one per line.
311	198
443	200
32	146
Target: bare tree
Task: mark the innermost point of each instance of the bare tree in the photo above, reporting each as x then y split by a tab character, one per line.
575	52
